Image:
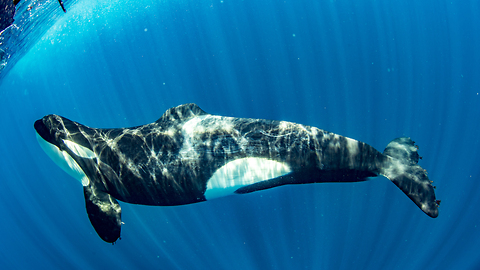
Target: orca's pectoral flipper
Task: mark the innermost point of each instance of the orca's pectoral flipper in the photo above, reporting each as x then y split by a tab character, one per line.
402	169
104	213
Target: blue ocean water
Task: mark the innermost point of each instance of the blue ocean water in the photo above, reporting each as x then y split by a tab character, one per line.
369	70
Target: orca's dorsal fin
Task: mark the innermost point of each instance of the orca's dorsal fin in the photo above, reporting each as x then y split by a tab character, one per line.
183	112
104	213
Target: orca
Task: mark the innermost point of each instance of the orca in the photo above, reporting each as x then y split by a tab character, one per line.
189	156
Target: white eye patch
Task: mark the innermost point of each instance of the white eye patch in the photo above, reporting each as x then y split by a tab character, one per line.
79	150
65	161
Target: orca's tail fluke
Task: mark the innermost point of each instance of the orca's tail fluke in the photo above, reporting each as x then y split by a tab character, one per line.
402	169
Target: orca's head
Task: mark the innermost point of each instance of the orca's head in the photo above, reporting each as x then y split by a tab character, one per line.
65	142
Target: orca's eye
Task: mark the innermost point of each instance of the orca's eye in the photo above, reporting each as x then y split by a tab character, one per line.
65	161
79	150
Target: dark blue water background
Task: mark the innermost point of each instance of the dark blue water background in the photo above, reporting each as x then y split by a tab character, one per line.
370	70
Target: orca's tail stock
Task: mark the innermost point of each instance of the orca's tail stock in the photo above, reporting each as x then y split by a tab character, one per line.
402	169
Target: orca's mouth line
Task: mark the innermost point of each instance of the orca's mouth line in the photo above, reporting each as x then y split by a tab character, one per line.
43	131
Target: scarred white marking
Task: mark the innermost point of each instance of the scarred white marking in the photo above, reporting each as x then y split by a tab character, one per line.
352	146
243	172
189	129
196	126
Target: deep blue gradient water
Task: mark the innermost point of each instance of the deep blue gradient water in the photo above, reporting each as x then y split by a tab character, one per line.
369	70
